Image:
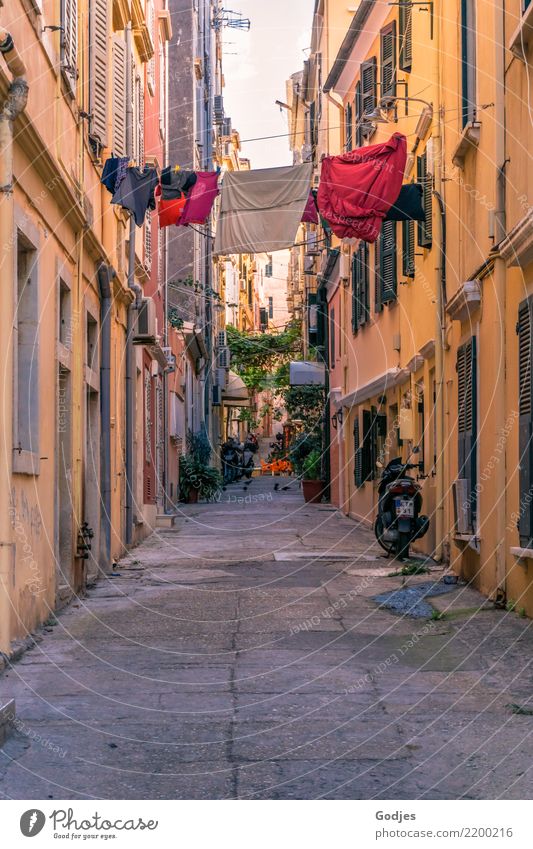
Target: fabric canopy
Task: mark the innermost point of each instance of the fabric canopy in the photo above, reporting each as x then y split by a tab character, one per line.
357	189
261	210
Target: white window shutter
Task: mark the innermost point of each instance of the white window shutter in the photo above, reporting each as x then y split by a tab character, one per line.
69	43
119	97
98	79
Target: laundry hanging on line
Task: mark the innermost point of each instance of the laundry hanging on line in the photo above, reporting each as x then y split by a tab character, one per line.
409	205
357	189
310	215
136	192
261	210
200	199
114	172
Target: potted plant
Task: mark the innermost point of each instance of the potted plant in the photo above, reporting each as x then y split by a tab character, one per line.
312	484
197	480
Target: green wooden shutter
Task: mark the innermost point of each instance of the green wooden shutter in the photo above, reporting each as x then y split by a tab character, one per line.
408	246
405	39
388	60
364	290
425	228
525	448
348	130
467	419
119	97
355	294
357	452
378	306
368	76
366	447
99	66
332	338
358	111
388	262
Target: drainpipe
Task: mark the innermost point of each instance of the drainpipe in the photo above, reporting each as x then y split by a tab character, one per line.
132	309
14	104
499	282
440	319
105	274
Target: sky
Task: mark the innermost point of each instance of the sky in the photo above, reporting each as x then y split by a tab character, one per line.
274	48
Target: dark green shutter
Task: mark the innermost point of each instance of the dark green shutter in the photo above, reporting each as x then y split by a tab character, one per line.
348	115
358	110
524	327
378	306
355	293
405	46
357	452
425	228
368	77
364	297
388	60
387	262
467	419
408	246
332	338
366	447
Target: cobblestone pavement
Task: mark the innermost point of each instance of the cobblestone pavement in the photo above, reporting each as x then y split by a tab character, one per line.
241	655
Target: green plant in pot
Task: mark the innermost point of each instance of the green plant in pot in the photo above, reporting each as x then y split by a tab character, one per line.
312	484
197	480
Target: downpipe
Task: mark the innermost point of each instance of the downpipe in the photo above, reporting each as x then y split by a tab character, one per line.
105	275
14	104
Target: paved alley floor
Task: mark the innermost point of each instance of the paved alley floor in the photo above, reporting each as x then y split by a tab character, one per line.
241	655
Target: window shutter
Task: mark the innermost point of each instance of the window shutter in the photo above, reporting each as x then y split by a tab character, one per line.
368	77
139	111
406	34
119	97
366	448
525	346
425	228
378	306
388	262
69	42
365	288
388	60
467	419
355	293
98	75
148	241
348	117
358	116
408	245
357	452
332	338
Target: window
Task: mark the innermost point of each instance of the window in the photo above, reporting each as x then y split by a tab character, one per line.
358	116
69	42
98	71
139	122
370	447
386	267
388	60
26	359
408	248
65	328
119	97
91	342
271	307
268	269
525	407
332	337
368	85
405	46
150	72
348	129
425	227
360	288
467	420
468	61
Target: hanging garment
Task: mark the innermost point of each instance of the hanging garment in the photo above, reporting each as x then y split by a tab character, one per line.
201	198
114	172
169	211
174	184
310	215
262	210
136	192
358	188
409	204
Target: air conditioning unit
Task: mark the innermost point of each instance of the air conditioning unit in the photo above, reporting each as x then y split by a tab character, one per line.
146	330
226	127
222	339
221	377
217	396
218	107
462	506
224	357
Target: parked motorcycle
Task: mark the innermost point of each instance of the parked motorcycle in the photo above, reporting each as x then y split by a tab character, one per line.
237	460
399	521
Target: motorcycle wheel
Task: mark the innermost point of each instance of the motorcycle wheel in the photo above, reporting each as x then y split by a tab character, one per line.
378	530
402	546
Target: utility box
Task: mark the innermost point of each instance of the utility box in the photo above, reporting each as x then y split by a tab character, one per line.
307	374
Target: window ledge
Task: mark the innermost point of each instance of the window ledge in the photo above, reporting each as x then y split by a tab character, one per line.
470	540
521	553
517	247
26	463
523	35
468	140
465	302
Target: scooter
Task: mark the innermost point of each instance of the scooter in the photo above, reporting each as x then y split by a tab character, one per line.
399	521
231	460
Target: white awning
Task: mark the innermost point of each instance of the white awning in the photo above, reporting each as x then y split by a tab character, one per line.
235	394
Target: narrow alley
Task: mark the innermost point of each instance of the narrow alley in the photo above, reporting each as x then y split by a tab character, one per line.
241	655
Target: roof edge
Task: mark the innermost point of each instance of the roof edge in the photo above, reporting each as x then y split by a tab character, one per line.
354	30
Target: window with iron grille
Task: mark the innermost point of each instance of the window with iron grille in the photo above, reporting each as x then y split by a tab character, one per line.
425	227
525	407
405	46
360	287
408	248
388	60
386	271
467	420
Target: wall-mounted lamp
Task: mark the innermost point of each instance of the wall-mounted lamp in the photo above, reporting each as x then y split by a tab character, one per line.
334	421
